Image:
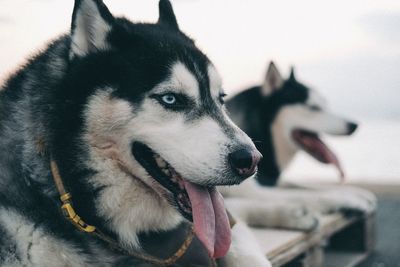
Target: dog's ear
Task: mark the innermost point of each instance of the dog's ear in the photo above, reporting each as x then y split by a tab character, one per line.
91	23
167	15
292	76
273	80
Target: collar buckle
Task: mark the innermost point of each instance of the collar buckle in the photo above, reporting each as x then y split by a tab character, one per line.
72	216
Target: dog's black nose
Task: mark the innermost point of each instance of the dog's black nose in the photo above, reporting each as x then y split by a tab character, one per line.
352	127
245	161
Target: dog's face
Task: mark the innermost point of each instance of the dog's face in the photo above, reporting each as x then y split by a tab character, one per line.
301	118
154	124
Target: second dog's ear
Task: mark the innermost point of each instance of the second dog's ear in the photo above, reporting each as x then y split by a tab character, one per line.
273	80
167	15
91	23
292	76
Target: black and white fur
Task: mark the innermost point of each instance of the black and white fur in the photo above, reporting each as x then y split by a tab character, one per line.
268	114
84	101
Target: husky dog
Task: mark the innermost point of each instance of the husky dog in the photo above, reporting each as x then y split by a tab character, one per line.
283	117
126	123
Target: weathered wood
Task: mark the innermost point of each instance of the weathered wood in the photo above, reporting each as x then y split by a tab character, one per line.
353	237
343	259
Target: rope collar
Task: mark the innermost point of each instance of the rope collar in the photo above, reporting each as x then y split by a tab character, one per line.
70	214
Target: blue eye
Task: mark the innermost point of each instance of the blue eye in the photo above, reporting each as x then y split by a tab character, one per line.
174	101
169	99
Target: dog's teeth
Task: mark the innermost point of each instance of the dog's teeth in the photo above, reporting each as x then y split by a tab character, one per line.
181	185
176	176
173	179
166	171
160	162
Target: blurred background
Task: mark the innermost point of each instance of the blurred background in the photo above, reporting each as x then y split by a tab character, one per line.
349	50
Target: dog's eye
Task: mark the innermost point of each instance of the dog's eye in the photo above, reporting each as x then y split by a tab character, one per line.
315	108
221	98
169	99
173	101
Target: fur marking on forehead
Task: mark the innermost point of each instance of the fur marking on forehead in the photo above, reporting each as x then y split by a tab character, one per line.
105	114
215	80
314	98
184	80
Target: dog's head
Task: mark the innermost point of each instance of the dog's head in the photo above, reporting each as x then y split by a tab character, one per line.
301	116
142	111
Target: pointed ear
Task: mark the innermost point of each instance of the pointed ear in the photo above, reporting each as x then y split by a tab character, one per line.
273	80
292	76
167	15
91	23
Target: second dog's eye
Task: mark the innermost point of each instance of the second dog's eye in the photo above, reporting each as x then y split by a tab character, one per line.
169	99
315	108
222	98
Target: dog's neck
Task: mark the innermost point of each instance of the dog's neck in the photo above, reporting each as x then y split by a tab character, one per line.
284	151
133	208
124	208
155	242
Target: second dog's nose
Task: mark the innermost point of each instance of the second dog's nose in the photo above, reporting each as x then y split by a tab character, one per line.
352	127
245	161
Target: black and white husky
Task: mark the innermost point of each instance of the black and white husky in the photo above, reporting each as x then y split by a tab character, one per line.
128	120
283	116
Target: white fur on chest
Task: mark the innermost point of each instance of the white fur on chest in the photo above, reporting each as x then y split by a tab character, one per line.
35	247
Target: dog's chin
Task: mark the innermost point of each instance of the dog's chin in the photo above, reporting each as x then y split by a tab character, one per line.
170	180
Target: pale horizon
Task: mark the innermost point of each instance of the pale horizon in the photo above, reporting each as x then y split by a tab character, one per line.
347	50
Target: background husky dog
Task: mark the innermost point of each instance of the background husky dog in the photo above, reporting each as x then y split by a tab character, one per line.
133	116
282	117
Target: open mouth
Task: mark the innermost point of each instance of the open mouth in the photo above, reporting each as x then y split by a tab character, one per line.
165	175
204	206
313	145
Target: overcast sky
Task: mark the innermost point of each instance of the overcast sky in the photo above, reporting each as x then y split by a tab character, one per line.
347	49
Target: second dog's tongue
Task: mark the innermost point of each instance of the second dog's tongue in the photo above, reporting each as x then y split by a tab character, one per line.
318	149
211	222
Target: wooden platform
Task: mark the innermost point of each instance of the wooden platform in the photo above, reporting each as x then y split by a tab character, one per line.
339	242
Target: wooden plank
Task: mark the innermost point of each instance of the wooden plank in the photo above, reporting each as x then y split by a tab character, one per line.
282	246
358	237
275	242
343	259
370	233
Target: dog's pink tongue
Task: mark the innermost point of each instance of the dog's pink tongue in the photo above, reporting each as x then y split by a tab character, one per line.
319	150
332	159
211	222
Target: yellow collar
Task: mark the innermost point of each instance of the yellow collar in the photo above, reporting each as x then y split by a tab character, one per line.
79	223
